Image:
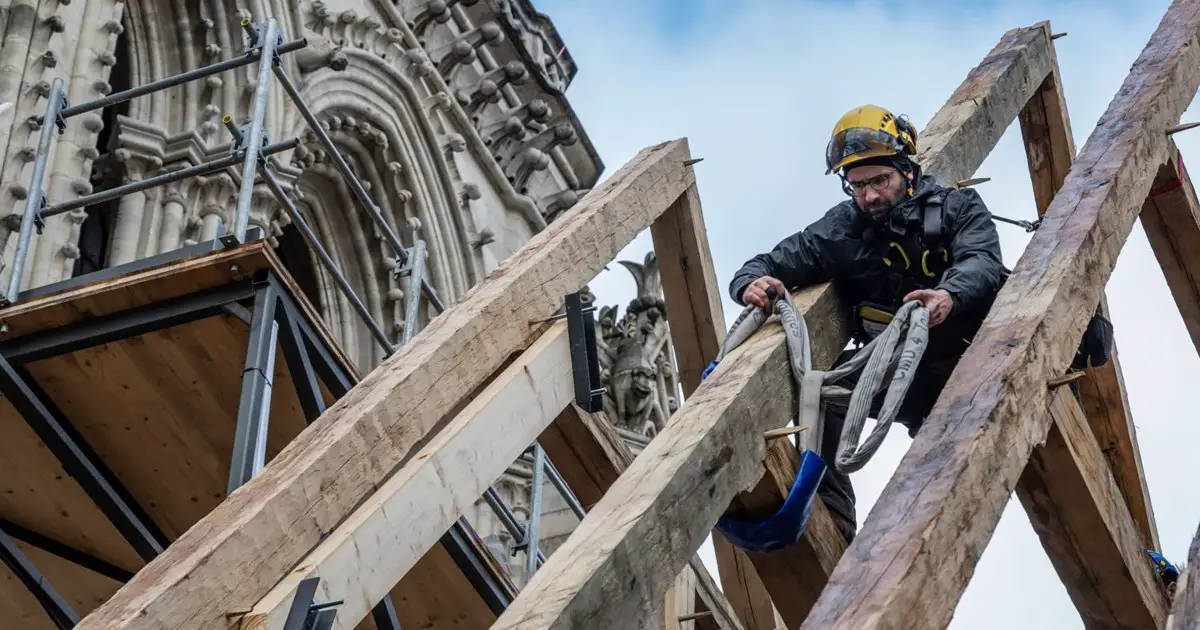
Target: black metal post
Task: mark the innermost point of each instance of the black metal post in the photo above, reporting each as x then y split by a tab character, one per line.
476	572
300	365
384	614
65	551
59	610
250	439
327	368
80	462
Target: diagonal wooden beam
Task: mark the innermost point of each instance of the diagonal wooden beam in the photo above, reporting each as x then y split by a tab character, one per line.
1050	150
697	326
1078	512
1088	532
912	560
1171	219
590	455
1185	611
237	553
628	549
361	560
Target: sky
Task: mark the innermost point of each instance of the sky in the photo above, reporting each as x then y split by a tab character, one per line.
756	86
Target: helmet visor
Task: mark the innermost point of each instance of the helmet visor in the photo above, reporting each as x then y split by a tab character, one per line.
857	143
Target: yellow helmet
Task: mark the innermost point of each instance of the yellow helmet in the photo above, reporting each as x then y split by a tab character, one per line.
867	132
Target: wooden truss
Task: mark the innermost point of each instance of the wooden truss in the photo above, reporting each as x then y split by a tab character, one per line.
364	494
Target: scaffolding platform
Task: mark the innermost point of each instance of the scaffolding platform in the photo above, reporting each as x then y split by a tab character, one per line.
137	397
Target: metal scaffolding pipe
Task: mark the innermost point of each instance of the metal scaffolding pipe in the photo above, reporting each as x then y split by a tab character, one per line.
165	178
254	136
309	237
247	58
33	203
353	182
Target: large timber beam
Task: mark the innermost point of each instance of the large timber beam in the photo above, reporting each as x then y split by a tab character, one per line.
1185	611
713	448
1094	537
1171	219
919	548
1077	510
368	554
233	556
590	455
1050	150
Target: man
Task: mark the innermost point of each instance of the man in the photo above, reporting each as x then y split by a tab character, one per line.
899	237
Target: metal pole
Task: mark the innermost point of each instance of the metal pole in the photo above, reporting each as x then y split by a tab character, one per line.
561	485
33	203
250	437
245	59
353	181
533	528
412	305
165	178
254	139
507	518
294	214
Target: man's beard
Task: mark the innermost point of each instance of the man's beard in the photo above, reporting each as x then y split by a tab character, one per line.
879	208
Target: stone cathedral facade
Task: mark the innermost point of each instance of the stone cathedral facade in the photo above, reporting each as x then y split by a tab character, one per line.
453	113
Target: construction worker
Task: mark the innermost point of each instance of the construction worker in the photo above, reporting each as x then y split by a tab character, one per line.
899	237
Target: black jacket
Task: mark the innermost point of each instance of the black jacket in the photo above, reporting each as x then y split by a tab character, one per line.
847	247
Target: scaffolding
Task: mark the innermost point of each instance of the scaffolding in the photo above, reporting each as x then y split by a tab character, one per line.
274	316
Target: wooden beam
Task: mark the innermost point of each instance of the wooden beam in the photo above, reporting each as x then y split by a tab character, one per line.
697	325
624	554
689	283
1050	150
1185	611
239	551
713	448
362	559
912	560
1078	512
590	456
1171	218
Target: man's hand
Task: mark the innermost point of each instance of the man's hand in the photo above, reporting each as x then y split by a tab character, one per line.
756	292
936	301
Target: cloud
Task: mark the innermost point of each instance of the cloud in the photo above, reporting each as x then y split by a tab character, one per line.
756	87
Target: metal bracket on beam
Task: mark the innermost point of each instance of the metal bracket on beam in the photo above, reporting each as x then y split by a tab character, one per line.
585	361
305	614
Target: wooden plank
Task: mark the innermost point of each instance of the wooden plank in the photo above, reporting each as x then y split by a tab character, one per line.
1171	219
369	552
1185	610
1078	512
624	542
1050	150
912	560
590	455
237	553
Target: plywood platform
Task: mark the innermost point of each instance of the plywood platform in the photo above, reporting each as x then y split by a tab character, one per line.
144	372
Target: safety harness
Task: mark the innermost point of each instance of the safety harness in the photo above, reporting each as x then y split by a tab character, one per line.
893	356
915	261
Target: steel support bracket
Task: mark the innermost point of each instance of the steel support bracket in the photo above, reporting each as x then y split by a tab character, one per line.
585	359
305	614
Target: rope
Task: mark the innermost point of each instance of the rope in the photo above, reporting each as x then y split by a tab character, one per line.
892	356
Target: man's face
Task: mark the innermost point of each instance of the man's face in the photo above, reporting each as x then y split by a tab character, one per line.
877	189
